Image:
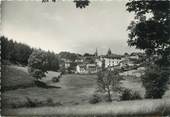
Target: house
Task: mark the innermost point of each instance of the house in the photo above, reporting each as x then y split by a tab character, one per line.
91	68
98	62
79	60
86	68
81	69
108	61
111	61
134	57
67	64
126	61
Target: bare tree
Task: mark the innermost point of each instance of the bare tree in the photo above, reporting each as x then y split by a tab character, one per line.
108	81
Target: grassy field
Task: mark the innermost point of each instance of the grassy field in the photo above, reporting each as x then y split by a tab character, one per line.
151	108
74	90
15	77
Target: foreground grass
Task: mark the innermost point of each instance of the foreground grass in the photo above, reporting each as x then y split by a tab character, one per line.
125	108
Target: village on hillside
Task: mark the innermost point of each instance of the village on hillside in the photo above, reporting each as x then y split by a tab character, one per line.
91	64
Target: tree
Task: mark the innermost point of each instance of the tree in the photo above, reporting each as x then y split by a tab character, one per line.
150	32
155	81
103	64
79	3
126	54
20	53
53	61
6	47
68	55
89	59
15	52
72	67
88	55
108	81
37	64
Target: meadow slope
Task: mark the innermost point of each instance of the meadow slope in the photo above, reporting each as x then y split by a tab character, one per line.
74	89
14	77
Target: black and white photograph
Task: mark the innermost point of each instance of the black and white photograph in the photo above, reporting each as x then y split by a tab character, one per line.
85	58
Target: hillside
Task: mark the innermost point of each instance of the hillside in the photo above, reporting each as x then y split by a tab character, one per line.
73	89
15	77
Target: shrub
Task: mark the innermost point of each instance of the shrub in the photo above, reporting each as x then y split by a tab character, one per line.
37	73
55	79
40	84
30	103
128	94
95	99
136	96
50	102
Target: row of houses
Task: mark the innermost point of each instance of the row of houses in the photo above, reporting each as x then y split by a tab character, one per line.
108	60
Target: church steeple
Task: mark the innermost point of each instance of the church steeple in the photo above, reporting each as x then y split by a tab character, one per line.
96	53
109	52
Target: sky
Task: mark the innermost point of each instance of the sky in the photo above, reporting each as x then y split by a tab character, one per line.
61	26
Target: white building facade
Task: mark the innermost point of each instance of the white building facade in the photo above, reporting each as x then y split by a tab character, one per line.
86	69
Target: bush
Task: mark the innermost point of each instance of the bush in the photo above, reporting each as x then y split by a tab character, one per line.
50	102
55	79
95	99
40	84
30	103
128	94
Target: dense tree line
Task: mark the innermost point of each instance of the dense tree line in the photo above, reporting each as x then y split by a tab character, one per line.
53	61
15	52
19	53
69	56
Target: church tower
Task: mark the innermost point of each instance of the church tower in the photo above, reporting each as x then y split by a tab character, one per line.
96	53
109	52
